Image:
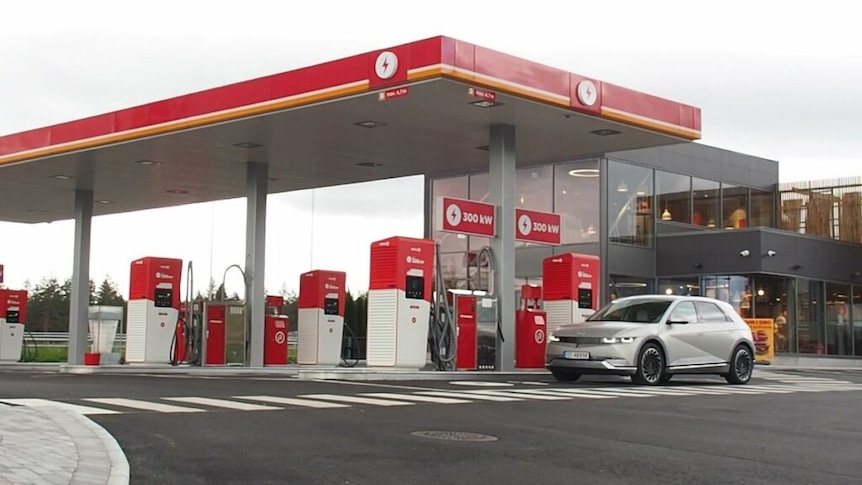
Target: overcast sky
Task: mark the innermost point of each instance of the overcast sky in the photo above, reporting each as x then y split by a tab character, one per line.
778	80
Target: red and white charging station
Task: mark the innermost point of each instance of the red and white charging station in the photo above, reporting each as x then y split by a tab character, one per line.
467	343
571	292
275	328
13	315
321	317
216	334
531	329
153	310
399	302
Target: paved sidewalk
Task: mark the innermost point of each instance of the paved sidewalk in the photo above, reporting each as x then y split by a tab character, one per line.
50	445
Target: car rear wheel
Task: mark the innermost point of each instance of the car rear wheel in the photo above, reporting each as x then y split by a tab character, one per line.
741	366
650	366
565	376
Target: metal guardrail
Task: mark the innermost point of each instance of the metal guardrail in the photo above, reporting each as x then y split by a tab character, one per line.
61	339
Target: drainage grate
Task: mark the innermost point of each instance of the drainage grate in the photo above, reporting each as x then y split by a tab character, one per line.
454	436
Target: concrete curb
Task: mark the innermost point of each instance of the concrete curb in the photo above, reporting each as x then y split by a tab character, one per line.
120	472
100	458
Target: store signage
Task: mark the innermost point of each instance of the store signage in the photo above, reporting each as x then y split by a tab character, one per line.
466	217
482	94
393	94
537	227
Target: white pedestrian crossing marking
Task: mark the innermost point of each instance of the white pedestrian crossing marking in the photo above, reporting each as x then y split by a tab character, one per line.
36	403
480	397
774	384
222	403
143	405
414	397
289	401
357	400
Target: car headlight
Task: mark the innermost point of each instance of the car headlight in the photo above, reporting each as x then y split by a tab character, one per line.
618	340
553	338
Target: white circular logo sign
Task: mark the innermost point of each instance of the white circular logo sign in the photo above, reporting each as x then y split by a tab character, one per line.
525	225
279	337
540	336
409	259
587	93
386	65
453	215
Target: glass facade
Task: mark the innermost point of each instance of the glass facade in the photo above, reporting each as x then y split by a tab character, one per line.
762	209
674	197
734	206
706	199
837	322
575	185
630	204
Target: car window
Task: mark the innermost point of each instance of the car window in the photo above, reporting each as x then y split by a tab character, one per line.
636	311
710	313
684	312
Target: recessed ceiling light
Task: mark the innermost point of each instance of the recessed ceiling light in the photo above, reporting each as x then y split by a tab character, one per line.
369	164
273	179
484	103
148	162
247	144
605	132
584	172
370	124
484	148
62	177
36	211
177	191
105	202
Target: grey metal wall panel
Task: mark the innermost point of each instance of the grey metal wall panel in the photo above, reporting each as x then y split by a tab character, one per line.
707	162
795	254
631	261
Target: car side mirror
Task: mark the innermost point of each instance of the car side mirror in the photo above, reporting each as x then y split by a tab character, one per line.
677	322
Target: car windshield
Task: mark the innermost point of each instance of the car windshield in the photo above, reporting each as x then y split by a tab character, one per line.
635	311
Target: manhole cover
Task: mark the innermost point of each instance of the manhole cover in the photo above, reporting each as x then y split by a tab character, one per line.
454	436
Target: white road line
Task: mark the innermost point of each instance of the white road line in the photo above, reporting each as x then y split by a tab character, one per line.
711	390
357	400
143	405
36	403
222	403
574	393
289	401
818	388
659	391
524	393
610	392
464	395
414	397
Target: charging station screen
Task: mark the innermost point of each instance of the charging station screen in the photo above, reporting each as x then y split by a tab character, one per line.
163	298
330	306
415	288
585	298
12	316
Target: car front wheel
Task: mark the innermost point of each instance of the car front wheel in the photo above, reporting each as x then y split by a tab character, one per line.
650	366
741	366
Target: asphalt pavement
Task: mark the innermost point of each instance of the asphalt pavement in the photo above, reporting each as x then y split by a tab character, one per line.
785	427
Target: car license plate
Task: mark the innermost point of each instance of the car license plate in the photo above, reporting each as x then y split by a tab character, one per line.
576	355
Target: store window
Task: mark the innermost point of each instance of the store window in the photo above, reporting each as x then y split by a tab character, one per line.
856	315
762	209
448	187
775	297
705	198
809	317
735	290
734	206
478	191
684	287
674	197
839	340
534	189
630	208
576	199
622	286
